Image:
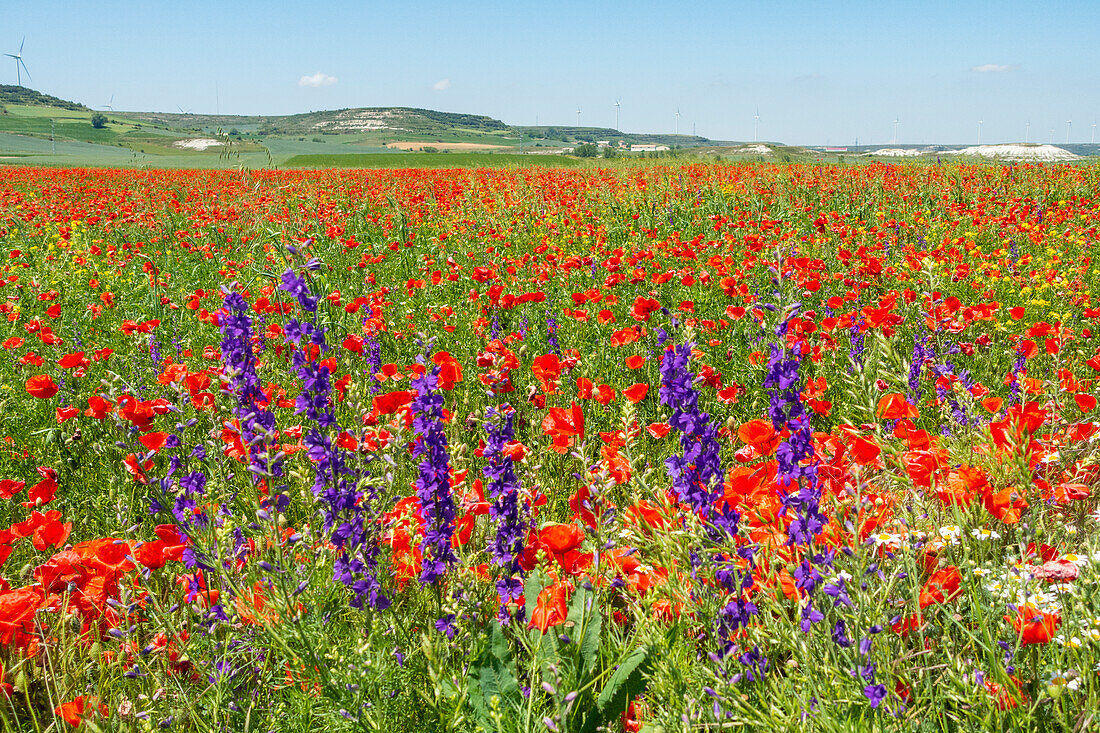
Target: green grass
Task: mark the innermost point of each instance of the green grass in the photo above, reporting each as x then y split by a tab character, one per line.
40	151
429	160
285	148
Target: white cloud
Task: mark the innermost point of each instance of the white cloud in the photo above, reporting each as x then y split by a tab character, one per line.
317	80
994	68
441	85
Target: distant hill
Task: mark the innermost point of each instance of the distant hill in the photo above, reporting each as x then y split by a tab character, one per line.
358	120
593	134
40	129
10	94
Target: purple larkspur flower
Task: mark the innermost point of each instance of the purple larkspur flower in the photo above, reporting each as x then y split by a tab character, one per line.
697	472
298	287
345	509
552	335
256	422
508	509
433	485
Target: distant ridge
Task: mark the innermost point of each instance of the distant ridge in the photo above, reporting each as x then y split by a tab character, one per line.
389	128
355	119
11	94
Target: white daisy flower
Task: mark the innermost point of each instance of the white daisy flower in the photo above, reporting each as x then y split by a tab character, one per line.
1059	681
1078	560
886	538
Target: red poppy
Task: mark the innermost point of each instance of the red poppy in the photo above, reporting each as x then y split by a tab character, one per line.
64	414
547	369
643	308
137	470
153	441
1034	626
894	406
1007	696
73	360
99	407
992	404
1086	402
550	607
605	393
17	610
864	451
9	488
644	513
41	387
658	430
962	485
635	393
353	343
391	402
42	492
942	587
51	533
1006	505
514	450
564	426
74	711
758	433
450	371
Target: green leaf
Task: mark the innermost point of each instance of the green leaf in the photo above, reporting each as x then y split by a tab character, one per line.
626	682
500	651
590	642
495	677
532	586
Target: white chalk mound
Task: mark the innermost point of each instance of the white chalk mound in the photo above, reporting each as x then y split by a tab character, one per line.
1019	151
199	143
894	153
753	149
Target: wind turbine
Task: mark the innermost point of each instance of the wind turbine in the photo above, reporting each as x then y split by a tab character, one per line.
1068	123
1027	131
1094	133
617	114
980	123
677	120
109	103
18	56
578	116
756	126
896	121
1052	136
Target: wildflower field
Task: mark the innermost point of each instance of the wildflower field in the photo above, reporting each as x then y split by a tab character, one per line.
640	449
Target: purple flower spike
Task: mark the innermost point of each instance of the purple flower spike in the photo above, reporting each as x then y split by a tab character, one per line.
433	486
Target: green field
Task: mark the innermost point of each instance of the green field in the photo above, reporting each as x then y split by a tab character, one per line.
37	129
428	160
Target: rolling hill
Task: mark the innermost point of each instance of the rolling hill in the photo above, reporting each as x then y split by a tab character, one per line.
42	129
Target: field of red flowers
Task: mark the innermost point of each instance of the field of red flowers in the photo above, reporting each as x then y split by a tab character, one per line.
640	449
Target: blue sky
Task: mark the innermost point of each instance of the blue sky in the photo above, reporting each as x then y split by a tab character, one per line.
819	72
